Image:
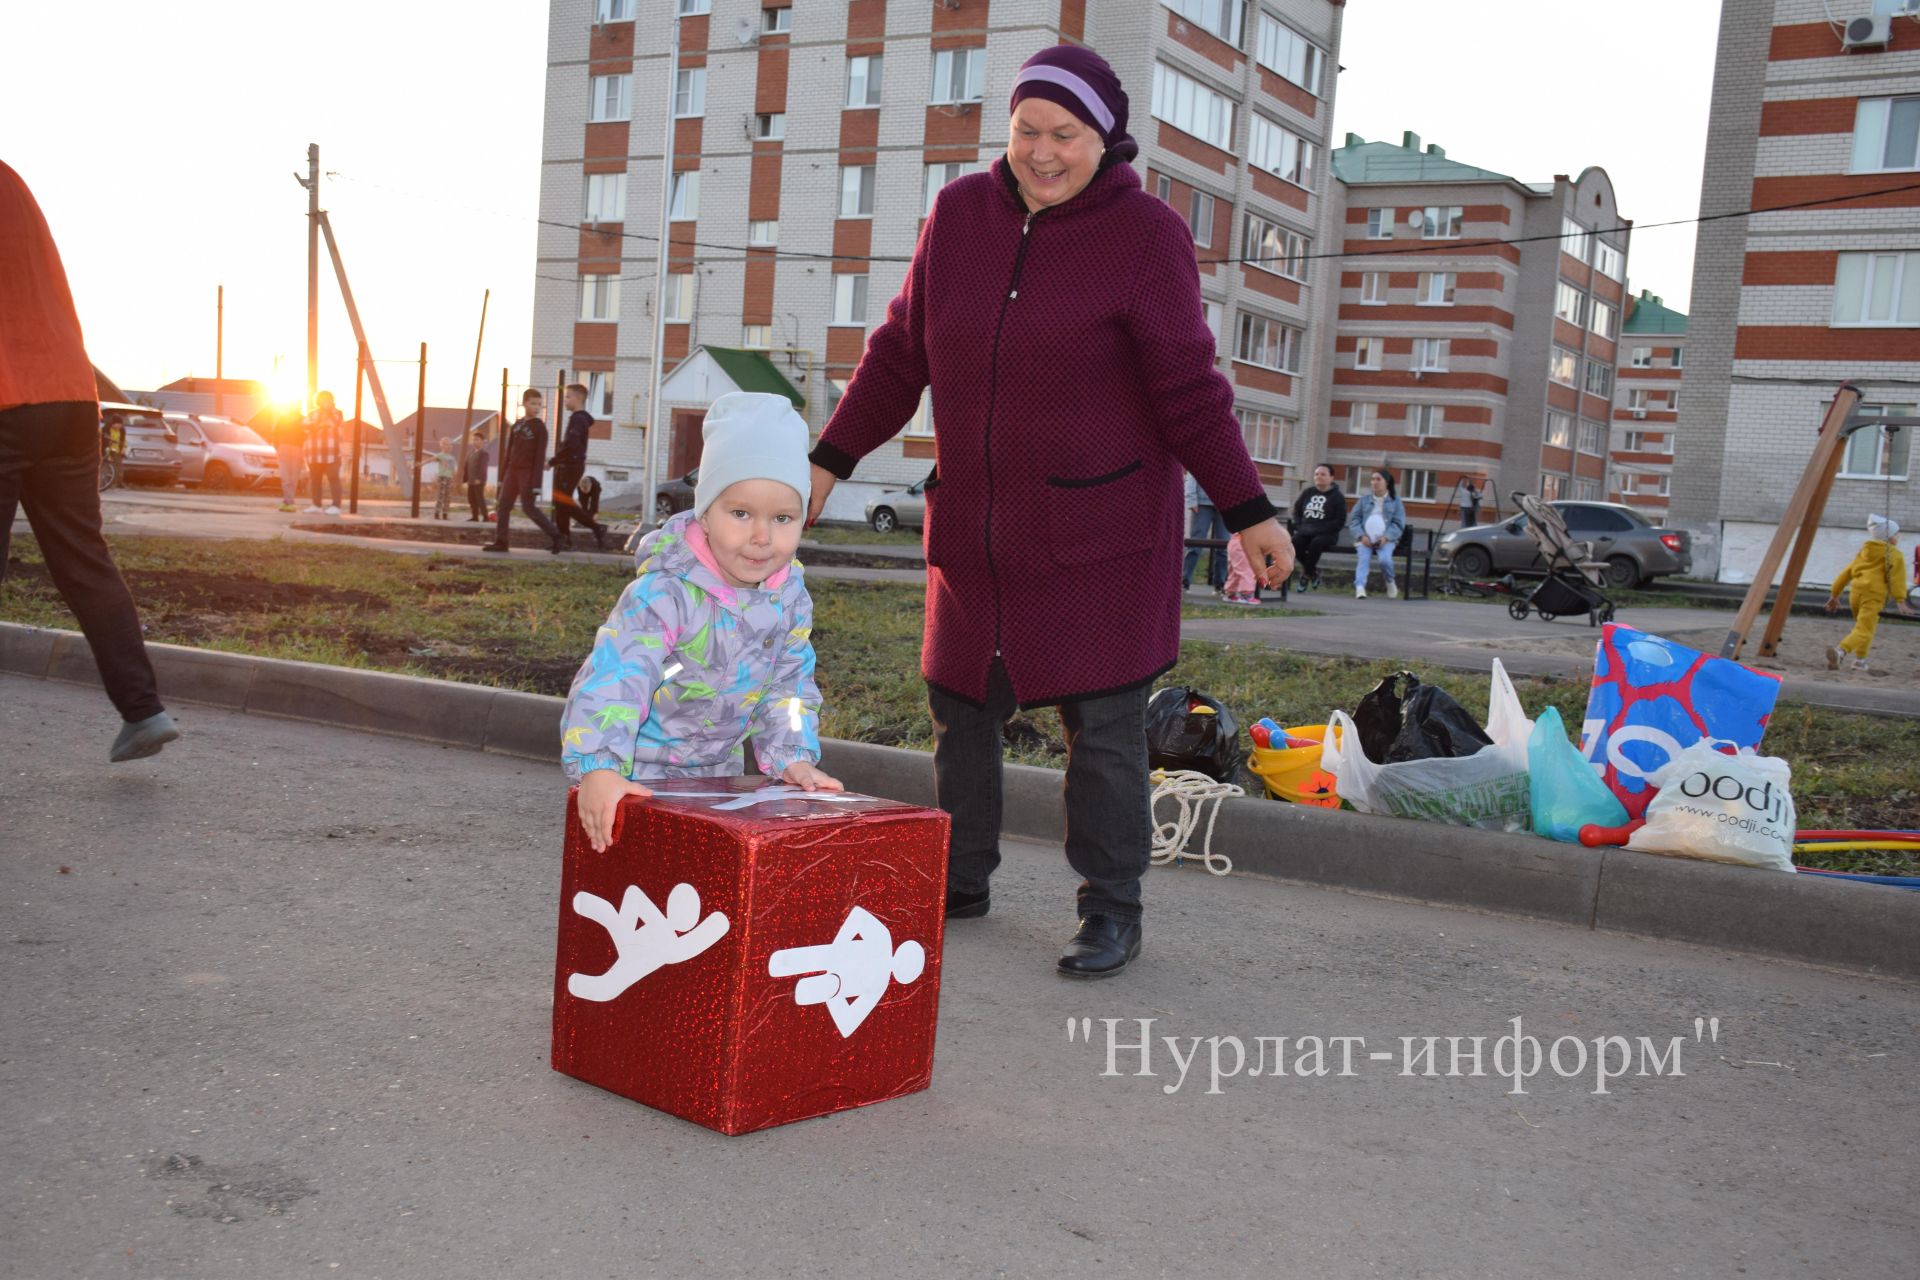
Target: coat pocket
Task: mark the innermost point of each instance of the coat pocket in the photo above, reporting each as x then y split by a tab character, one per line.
1103	517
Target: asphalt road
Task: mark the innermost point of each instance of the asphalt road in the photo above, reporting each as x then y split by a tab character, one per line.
277	1003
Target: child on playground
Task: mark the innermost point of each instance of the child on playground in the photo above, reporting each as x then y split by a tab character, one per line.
710	645
1240	584
1873	575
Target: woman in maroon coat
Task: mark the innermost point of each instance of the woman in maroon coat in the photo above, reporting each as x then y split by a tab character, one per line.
1054	308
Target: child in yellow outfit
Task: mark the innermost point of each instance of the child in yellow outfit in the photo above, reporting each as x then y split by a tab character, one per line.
1873	575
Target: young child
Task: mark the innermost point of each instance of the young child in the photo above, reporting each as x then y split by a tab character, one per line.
1872	575
709	645
1240	579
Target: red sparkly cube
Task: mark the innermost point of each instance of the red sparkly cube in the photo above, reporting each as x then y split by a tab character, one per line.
747	954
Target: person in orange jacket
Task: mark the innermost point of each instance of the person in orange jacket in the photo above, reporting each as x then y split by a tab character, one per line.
50	464
1872	576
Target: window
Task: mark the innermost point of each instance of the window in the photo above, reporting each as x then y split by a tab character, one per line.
1607	260
613	11
1666	487
1676	357
1200	219
1269	343
1585	520
1363	417
1562	366
1440	222
959	75
1574	239
1272	247
1877	289
1879	453
1559	433
1280	48
775	21
939	175
1569	303
849	299
1599	378
921	423
1427	419
1886	135
756	336
1367	352
1589	490
1223	18
771	128
606	197
693	8
1380	224
1637	400
1602	321
1266	434
1673	402
863	81
1373	288
683	202
763	233
1436	288
1214	314
1191	107
600	394
856	191
677	306
600	297
1430	354
1163	188
1279	151
612	98
1418	485
1593	438
1647	442
1642	358
690	92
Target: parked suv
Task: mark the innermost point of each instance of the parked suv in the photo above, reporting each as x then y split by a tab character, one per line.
1634	550
216	453
151	456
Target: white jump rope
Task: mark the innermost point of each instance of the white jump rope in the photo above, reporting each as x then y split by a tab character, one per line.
1195	793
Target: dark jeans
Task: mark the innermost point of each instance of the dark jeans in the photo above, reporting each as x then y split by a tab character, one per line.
329	472
522	485
567	508
477	499
50	464
1207	523
1309	547
1109	818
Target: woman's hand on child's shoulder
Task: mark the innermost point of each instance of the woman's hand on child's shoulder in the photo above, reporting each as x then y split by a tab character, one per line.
803	773
599	805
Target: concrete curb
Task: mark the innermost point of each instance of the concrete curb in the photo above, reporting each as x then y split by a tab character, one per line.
1842	924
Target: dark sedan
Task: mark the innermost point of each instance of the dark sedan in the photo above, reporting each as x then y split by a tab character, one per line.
675	495
1634	550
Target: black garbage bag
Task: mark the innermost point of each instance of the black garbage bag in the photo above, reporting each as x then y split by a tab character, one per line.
1186	729
1378	716
1434	726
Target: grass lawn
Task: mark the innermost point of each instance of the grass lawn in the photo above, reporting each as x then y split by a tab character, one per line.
526	625
831	535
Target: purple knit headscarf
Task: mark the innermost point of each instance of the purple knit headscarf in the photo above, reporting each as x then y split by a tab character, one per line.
1079	80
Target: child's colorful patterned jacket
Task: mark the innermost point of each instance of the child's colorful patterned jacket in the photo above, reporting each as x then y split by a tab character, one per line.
687	669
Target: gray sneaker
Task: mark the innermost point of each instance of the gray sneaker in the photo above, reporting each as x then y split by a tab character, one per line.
139	739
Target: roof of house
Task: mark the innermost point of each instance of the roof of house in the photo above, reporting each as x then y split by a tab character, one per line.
226	386
1646	314
445	424
753	371
1404	162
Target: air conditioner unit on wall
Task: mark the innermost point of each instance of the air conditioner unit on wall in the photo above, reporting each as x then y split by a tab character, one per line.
1872	32
1639	413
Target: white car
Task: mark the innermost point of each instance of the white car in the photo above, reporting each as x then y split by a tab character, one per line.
216	453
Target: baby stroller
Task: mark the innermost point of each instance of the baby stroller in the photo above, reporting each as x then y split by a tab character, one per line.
1572	584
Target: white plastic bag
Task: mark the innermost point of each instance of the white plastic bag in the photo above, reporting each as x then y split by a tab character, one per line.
1486	789
1723	808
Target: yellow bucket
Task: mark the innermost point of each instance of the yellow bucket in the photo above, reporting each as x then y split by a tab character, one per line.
1294	773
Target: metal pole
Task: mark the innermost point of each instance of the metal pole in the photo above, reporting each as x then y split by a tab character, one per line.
419	432
359	427
313	271
473	384
219	352
660	287
500	454
396	448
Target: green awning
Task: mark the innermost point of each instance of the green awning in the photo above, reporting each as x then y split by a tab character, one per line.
753	371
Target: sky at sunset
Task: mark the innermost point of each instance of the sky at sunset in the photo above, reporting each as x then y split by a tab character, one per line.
164	158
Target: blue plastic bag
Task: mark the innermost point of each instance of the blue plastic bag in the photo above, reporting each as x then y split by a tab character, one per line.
1567	793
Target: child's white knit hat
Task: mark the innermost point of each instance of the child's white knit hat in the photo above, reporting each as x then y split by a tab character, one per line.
752	435
1883	528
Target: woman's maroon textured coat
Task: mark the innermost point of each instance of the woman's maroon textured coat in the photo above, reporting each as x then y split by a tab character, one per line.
1072	380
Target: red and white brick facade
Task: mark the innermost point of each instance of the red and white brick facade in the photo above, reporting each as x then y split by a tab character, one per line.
1646	405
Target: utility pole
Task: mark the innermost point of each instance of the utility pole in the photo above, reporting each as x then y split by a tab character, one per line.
396	448
473	385
312	184
647	514
359	426
219	352
419	432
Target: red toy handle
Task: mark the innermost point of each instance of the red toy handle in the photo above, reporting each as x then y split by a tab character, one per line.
1595	837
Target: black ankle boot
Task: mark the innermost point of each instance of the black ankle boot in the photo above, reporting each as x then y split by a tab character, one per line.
968	906
1102	947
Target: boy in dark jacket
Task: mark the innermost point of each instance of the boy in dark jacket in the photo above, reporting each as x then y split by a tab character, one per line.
569	464
1319	514
478	460
520	475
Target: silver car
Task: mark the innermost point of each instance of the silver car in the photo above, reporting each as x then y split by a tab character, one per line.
899	508
1633	550
151	455
216	453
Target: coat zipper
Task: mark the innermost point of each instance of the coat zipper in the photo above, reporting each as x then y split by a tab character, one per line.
993	377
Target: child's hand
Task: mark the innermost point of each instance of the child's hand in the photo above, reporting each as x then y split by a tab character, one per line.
1833	604
808	777
599	804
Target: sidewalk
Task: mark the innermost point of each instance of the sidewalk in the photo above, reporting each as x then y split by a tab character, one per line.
287	1011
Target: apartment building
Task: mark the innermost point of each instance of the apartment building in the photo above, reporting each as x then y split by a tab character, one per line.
1815	106
1476	326
1646	404
806	141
